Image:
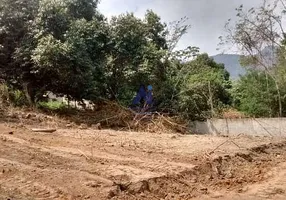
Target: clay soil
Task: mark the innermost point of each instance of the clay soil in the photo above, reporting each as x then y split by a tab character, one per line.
73	163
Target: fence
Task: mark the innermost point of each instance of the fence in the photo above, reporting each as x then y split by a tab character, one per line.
273	127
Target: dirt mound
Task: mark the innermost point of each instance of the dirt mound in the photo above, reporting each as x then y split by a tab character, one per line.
231	172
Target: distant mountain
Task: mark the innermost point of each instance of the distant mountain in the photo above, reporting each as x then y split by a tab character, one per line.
231	63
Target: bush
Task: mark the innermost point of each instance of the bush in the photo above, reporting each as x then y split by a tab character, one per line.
18	98
4	94
10	96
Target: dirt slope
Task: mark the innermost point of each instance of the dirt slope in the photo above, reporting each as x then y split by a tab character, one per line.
93	164
273	188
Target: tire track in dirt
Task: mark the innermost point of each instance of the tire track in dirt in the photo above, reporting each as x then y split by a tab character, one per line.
137	168
29	163
31	181
42	160
31	188
13	179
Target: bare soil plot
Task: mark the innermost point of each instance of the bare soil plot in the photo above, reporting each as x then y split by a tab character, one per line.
93	164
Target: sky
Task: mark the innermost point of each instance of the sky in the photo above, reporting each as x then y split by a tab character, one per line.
206	17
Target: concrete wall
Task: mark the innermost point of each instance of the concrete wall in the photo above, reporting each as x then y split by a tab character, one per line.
273	127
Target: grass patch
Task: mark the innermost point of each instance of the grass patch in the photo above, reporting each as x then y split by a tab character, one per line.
52	105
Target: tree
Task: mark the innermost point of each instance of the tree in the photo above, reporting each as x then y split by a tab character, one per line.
157	32
171	72
258	33
16	42
136	49
251	97
69	48
204	89
70	51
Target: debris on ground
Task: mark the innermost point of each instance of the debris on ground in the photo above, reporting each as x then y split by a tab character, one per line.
44	130
114	116
107	115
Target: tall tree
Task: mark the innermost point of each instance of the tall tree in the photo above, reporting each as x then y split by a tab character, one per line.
16	41
257	33
204	88
70	52
136	47
251	96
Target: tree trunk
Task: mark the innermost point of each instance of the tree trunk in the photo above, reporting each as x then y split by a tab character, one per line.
28	91
279	98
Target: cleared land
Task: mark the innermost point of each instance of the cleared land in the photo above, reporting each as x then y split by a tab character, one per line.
94	164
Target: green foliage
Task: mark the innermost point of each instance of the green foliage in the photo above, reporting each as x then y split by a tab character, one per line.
69	48
4	94
255	94
52	105
260	92
255	33
136	48
203	88
18	98
16	41
10	96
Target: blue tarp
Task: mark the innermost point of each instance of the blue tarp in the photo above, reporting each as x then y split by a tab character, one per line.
149	98
141	95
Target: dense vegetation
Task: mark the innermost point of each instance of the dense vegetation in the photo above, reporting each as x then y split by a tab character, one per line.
69	48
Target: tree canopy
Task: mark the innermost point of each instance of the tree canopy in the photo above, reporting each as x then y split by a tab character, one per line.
69	48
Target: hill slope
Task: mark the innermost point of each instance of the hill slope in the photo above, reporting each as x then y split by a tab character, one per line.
232	65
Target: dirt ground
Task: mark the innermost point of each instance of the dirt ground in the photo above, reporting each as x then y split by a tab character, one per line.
105	164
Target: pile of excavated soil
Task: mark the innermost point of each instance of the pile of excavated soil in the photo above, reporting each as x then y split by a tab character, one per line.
222	173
